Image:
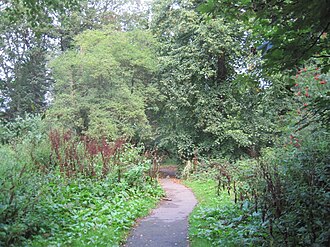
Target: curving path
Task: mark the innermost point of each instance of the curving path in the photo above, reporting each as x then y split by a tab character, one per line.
167	225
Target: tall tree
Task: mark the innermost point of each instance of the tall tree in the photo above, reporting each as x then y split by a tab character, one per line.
122	14
288	32
206	103
102	86
32	31
23	72
26	29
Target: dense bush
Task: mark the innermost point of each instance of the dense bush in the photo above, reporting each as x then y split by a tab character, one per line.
87	212
59	188
298	207
282	199
21	190
286	188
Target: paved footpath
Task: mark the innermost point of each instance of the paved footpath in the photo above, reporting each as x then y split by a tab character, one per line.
167	225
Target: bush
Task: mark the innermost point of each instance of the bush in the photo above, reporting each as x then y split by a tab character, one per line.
288	185
29	127
303	217
20	192
52	208
83	210
46	199
282	197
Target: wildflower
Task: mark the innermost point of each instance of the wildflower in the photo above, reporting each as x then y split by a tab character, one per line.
323	82
316	77
305	104
296	85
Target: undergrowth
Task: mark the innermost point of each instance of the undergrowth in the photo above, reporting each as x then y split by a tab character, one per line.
218	221
84	212
61	190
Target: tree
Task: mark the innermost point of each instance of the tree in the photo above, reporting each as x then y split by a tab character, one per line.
26	39
102	86
210	101
91	14
23	72
32	31
296	30
38	13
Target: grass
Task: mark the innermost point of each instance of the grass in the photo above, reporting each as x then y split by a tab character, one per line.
218	221
205	192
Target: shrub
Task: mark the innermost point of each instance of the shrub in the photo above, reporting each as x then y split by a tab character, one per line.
21	190
59	188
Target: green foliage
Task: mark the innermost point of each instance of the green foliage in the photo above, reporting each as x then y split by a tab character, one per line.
94	15
33	32
281	199
88	213
42	205
34	11
211	100
297	30
265	133
284	191
52	209
217	221
102	90
29	127
304	177
197	64
21	191
24	75
312	97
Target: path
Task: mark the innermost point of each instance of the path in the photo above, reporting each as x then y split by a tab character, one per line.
167	225
167	171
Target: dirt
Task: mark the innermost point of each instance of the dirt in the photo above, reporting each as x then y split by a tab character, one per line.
167	225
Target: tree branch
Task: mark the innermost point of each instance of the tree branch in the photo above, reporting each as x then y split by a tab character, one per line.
319	56
316	40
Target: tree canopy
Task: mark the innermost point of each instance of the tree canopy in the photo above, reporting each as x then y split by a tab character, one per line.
297	30
93	94
102	87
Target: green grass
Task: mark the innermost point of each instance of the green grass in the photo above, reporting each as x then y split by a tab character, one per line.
205	192
205	213
218	221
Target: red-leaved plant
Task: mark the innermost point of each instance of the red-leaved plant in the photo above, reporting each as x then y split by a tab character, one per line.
79	155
